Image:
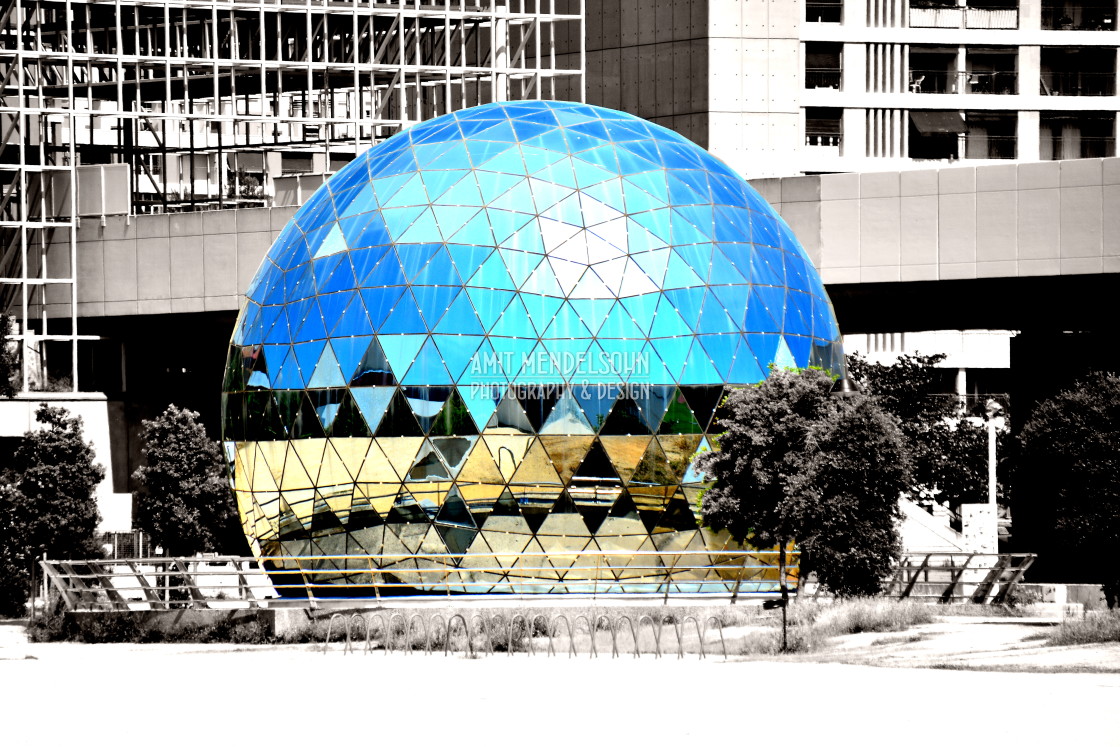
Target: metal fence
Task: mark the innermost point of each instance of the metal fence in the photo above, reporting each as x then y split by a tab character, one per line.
487	634
227	582
234	582
958	577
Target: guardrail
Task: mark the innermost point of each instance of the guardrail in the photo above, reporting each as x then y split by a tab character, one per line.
958	577
234	582
226	582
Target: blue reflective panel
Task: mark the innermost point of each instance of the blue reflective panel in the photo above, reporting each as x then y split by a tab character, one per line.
619	325
456	351
720	350
400	350
460	318
288	375
489	304
306	355
312	326
714	318
404	318
698	368
726	267
353	320
565	323
433	300
541	309
593	311
799	347
673	351
327	372
463	192
428	369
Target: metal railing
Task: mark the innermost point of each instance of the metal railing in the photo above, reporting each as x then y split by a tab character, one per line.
1079	18
228	582
822	77
1081	147
823	12
958	577
980	145
489	634
1003	82
1077	83
824	139
957	17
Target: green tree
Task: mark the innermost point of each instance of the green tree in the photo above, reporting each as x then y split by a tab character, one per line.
47	504
184	499
797	465
1071	458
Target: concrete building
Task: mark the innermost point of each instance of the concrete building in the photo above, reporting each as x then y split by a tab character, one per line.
128	115
777	88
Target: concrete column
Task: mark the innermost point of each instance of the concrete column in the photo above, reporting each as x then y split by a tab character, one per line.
1030	15
854	127
1027	137
854	72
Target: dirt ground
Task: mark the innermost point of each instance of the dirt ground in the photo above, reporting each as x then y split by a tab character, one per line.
868	689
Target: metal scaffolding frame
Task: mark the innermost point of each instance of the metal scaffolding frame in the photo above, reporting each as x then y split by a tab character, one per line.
144	106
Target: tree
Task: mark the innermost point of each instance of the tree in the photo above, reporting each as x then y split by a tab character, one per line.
47	503
184	500
1071	457
846	498
797	465
949	451
9	359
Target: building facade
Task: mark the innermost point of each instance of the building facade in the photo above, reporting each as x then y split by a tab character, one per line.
780	88
178	109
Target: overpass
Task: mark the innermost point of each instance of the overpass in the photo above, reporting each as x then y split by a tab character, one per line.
1017	245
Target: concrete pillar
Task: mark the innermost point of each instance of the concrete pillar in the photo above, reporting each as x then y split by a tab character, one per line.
1027	137
1030	15
854	72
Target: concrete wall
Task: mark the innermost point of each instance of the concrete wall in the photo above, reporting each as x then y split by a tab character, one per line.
960	222
179	263
650	58
1002	220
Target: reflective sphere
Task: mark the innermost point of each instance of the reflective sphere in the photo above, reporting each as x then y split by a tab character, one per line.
507	330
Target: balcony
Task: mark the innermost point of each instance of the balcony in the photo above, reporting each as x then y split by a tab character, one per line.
1001	82
823	11
1065	135
824	129
979	144
822	77
1077	84
1084	147
1061	16
937	16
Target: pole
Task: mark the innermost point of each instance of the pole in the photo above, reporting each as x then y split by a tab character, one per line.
993	409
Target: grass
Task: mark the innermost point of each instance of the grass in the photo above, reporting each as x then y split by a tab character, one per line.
1099	627
812	625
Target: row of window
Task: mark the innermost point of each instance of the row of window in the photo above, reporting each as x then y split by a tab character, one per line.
1063	71
1056	15
949	135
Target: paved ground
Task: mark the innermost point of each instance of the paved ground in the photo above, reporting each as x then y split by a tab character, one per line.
216	695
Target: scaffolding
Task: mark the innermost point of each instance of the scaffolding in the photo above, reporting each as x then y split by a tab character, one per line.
122	107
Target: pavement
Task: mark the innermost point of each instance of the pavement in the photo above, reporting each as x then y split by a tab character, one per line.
192	694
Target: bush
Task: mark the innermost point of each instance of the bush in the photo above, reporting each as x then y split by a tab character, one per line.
1101	627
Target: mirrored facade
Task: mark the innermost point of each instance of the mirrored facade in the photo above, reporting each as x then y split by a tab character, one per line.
507	331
